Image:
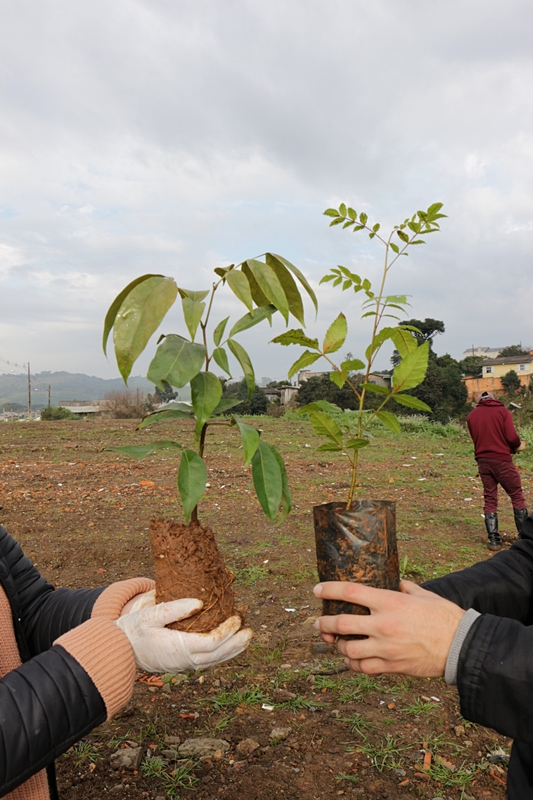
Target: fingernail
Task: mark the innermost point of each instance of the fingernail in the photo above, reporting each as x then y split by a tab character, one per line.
317	624
318	590
347	662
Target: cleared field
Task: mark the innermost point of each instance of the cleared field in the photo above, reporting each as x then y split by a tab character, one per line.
81	512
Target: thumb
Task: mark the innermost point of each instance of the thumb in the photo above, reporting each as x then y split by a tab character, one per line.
408	587
164	613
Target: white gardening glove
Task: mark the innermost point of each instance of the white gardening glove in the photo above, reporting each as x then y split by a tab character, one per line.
159	649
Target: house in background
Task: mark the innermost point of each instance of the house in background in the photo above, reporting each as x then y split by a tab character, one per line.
483	352
493	370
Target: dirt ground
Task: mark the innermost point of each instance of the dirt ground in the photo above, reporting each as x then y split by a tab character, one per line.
81	512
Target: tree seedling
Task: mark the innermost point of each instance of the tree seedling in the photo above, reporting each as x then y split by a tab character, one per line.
264	288
348	432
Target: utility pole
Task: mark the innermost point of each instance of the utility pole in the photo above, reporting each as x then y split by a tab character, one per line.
29	393
49	403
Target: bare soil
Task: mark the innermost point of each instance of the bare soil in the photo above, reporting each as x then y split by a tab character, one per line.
188	563
82	513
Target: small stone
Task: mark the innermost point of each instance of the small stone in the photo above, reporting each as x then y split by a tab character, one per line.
203	748
321	648
181	678
128	758
116	789
218	755
282	695
239	764
459	730
247	746
160	797
335	713
401	773
279	734
172	741
286	666
166	688
169	754
216	683
468	743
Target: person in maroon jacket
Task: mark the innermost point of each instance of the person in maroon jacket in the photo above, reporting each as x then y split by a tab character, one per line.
495	440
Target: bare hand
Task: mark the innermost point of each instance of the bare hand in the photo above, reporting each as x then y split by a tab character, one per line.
410	631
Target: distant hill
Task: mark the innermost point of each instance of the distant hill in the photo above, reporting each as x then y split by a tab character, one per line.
65	386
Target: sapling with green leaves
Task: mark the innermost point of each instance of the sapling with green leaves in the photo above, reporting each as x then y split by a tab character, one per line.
264	287
348	432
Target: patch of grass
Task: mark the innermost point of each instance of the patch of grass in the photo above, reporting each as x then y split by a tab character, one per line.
419	707
247	576
85	752
356	724
179	779
152	767
344	776
385	754
236	697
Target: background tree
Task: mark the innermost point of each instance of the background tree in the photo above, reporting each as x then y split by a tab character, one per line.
511	383
322	388
513	350
442	389
256	404
471	365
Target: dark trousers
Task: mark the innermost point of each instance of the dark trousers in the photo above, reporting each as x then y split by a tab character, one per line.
505	473
520	775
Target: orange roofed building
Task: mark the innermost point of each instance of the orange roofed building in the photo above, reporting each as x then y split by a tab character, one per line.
493	370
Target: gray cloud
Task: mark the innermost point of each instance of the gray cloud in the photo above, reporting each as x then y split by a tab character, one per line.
142	136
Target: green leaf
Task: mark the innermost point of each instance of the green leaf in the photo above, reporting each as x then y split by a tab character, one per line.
218	333
286	497
164	416
206	391
331	212
246	365
375	387
324	425
403	236
412	369
335	335
138	317
296	336
259	298
382	336
250	439
306	359
409	401
221	358
342	209
192	312
389	420
336	221
240	286
176	361
192	478
338	379
301	277
394	247
288	284
352	365
225	404
329	447
270	285
267	479
352	214
356	444
363	218
196	297
404	341
143	450
249	320
115	305
320	405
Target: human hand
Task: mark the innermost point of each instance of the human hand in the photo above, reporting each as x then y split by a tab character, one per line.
521	446
143	600
409	632
159	649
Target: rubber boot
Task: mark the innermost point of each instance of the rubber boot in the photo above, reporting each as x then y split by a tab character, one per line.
520	515
491	524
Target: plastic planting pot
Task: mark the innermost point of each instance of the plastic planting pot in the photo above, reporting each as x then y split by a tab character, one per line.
359	545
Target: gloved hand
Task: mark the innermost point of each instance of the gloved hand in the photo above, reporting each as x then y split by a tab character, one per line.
159	649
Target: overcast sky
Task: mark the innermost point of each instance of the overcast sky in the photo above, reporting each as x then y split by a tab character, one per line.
175	137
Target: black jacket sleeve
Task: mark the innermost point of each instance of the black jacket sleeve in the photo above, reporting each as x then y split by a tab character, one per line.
502	585
44	612
46	705
495	676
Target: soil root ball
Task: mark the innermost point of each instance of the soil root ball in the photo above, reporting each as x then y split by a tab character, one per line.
189	564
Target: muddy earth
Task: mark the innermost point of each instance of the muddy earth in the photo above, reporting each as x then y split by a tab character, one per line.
285	719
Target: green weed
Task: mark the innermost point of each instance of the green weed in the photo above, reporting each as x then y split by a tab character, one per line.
85	752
